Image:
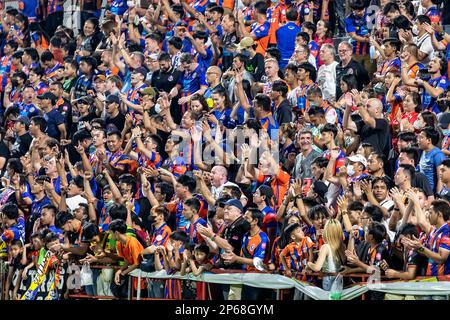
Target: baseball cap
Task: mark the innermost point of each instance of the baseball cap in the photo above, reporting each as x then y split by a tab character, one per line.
246	42
47	96
358	158
100	77
141	70
230	184
85	100
444	120
234	203
22	119
112	98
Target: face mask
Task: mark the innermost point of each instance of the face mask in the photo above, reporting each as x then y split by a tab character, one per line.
350	170
313	104
283	140
246	225
151	219
418	124
415	31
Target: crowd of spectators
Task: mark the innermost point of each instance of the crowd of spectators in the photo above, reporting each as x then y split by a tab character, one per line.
283	136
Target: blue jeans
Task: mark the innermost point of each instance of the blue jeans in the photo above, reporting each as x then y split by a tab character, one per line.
91	290
155	289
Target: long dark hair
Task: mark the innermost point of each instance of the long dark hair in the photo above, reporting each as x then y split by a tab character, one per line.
223	94
285	238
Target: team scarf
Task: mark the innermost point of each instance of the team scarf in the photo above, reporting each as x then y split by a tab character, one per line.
39	278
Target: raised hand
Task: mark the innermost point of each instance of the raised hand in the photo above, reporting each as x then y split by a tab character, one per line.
245	149
396	195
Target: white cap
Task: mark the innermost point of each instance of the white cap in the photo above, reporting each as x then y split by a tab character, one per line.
358	158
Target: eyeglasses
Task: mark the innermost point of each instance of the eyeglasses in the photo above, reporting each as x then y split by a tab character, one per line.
342	51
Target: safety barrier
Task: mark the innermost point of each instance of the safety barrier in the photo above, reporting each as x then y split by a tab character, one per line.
422	286
361	284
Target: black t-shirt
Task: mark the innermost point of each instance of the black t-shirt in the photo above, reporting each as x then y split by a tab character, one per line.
256	67
227	56
65	108
355	68
87	118
377	137
4	153
234	234
21	145
421	181
165	81
117	123
283	113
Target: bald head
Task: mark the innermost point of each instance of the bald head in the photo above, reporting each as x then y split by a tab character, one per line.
213	75
375	107
219	176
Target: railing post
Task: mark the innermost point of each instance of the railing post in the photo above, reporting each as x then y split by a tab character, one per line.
138	295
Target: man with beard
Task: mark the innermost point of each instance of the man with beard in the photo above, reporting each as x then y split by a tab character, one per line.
167	76
303	160
62	104
376	166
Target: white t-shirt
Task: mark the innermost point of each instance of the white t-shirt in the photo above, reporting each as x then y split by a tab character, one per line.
426	46
326	79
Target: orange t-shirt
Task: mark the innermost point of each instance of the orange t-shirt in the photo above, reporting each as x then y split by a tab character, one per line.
279	184
131	252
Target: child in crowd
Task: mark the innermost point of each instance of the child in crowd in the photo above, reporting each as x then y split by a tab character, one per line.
17	263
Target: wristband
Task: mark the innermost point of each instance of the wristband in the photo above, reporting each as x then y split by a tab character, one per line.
213	238
344	213
421	249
